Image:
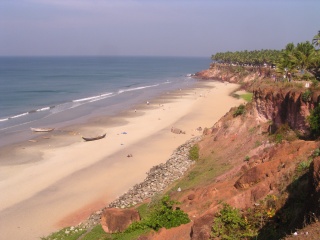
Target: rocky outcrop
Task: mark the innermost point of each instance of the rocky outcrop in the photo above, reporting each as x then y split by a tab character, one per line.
115	220
284	106
234	74
280	106
201	228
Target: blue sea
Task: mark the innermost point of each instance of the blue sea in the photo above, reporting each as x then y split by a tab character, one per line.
57	91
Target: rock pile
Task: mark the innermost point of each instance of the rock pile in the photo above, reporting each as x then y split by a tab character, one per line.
159	177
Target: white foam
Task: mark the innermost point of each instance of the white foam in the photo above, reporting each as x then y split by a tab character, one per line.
4	119
20	115
137	88
43	109
91	98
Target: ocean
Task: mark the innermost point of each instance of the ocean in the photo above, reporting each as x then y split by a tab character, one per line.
59	91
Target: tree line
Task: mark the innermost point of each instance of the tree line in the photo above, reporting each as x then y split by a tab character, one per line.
302	58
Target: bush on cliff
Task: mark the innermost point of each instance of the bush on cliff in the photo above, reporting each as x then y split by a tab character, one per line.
163	214
230	224
239	111
314	121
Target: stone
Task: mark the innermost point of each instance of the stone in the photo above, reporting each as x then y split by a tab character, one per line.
115	220
191	196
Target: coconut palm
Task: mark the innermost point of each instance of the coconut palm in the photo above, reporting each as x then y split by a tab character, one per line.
316	40
305	55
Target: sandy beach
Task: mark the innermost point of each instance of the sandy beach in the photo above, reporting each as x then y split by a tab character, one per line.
57	179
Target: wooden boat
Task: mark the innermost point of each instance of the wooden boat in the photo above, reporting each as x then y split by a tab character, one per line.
94	138
42	129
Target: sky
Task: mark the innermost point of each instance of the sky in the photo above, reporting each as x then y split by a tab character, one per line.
195	28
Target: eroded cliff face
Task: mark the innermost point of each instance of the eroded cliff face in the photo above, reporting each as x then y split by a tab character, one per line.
234	74
272	103
284	107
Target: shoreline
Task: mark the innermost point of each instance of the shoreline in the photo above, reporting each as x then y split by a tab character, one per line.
102	172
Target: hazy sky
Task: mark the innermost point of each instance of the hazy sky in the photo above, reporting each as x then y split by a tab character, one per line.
153	27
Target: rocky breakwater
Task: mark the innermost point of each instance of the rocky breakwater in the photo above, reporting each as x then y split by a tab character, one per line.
159	177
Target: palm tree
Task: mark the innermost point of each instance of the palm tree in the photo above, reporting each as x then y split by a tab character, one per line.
316	40
287	60
305	55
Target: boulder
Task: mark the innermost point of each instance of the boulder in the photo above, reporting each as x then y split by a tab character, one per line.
115	220
177	131
201	228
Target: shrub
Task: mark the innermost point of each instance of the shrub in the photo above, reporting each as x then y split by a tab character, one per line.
284	132
163	214
314	122
306	96
239	111
230	224
194	153
304	166
278	138
316	152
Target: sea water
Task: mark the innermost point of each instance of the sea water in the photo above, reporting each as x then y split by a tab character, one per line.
56	91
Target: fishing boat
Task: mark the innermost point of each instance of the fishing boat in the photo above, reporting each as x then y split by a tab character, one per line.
94	138
42	129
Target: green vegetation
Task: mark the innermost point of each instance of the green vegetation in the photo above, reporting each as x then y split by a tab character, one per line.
247	97
294	62
202	172
194	152
239	111
306	96
304	165
230	224
97	233
254	58
70	233
284	132
160	213
163	214
316	153
314	121
273	217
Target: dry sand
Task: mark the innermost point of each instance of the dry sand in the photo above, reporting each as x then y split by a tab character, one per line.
58	180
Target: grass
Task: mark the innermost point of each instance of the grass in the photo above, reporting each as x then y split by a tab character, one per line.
202	173
247	97
194	152
70	233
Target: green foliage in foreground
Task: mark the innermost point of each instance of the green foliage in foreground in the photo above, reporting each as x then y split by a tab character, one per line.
194	153
229	224
163	214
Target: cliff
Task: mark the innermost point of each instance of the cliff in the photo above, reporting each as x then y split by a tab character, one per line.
257	160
